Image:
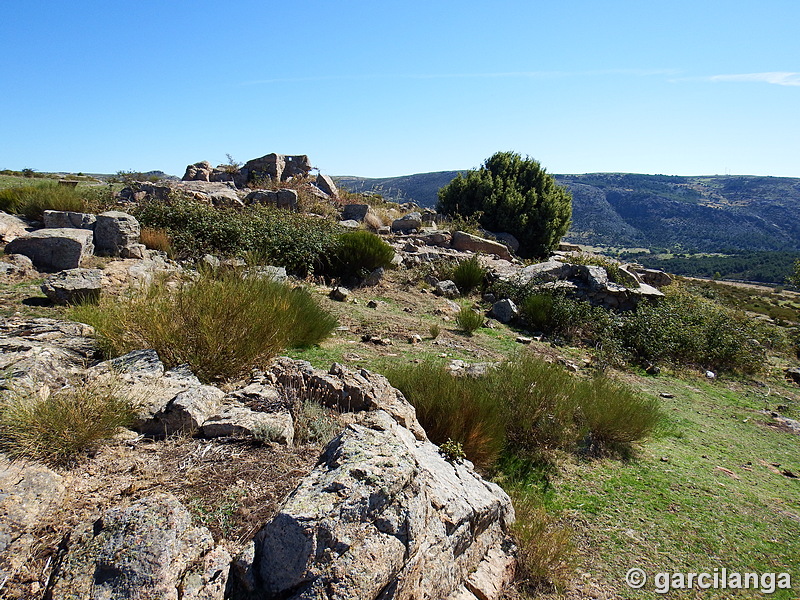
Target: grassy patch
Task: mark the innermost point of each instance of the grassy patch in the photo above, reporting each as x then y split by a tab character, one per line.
56	427
221	325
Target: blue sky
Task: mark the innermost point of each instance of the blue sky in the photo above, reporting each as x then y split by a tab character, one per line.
392	88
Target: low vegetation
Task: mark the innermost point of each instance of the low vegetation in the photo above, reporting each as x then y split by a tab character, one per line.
527	408
33	199
221	324
55	428
468	319
298	242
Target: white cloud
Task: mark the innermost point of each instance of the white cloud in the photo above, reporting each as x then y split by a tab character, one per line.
775	78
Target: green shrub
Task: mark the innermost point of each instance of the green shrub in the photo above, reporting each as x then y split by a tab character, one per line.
686	329
55	429
358	253
537	309
222	325
459	409
468	275
526	406
300	243
613	414
556	314
33	200
469	320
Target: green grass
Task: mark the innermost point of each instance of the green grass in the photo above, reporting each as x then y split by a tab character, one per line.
221	324
673	509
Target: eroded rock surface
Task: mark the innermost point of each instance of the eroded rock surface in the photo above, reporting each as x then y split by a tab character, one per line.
383	515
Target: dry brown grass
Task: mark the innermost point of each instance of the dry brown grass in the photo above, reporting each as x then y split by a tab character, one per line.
157	239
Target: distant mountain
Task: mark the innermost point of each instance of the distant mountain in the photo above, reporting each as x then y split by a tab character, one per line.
690	214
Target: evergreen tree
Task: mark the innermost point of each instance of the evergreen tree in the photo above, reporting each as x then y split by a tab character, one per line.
513	195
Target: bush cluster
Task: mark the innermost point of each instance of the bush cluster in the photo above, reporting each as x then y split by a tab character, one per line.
682	329
300	243
33	199
526	407
221	324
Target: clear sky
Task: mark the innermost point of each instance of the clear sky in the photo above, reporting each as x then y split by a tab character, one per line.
390	88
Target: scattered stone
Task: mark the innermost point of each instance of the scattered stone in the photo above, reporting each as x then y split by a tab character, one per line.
415	339
504	311
54	249
17	266
372	304
276	274
374	278
350	224
340	294
666	395
521	339
73	286
711	375
447	288
408	223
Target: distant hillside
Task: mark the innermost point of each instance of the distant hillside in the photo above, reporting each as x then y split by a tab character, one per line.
688	214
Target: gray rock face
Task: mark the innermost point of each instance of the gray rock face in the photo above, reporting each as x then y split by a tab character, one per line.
381	516
504	311
276	274
276	167
146	550
355	212
283	198
167	401
28	492
473	243
346	390
68	219
44	351
74	285
12	227
340	294
551	270
54	249
326	184
654	277
117	234
410	222
239	421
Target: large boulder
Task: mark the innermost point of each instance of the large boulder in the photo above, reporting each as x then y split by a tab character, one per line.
276	167
326	184
68	219
54	249
473	243
504	311
73	286
149	549
355	212
117	234
200	171
382	515
410	222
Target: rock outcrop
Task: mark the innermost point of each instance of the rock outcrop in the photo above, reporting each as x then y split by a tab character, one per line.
383	515
74	285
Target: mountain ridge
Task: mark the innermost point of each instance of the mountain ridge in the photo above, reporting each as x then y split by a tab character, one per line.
702	213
